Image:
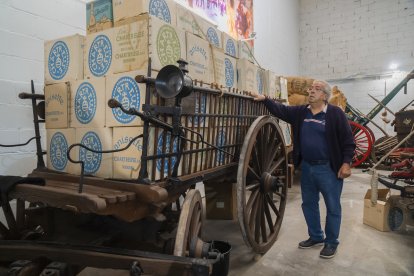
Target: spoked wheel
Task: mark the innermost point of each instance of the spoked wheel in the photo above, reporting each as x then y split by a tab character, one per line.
262	182
188	240
363	142
17	222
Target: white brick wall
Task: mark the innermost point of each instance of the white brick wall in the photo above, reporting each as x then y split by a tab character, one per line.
341	40
24	26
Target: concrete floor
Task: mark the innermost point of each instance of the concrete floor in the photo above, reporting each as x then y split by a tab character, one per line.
362	251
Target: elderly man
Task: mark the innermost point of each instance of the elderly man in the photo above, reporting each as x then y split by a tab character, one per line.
323	144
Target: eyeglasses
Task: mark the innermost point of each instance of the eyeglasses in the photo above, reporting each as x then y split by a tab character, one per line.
315	88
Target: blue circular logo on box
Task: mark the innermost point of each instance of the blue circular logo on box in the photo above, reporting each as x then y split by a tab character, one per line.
85	103
126	91
213	37
220	142
58	62
92	161
100	55
160	143
159	8
58	149
259	80
230	47
229	72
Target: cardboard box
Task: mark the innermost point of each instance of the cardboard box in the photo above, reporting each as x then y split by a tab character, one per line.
212	34
129	93
99	54
98	164
143	38
163	9
195	103
57	106
221	201
224	69
99	16
230	45
127	163
283	90
88	103
246	75
64	59
246	51
287	132
160	142
189	21
376	215
58	142
199	58
272	85
260	81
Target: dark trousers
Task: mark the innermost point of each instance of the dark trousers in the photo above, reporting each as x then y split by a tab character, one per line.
319	178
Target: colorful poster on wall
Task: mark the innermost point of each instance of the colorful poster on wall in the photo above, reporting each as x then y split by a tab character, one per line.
232	16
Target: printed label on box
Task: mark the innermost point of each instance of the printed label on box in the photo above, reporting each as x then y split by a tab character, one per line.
159	8
160	142
168	45
85	103
92	160
126	91
58	149
230	48
100	55
58	62
127	163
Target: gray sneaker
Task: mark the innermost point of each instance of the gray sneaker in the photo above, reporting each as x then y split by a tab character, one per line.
309	243
328	251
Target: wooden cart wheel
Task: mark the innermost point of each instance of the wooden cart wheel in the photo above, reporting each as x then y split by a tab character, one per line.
371	133
363	142
190	224
262	180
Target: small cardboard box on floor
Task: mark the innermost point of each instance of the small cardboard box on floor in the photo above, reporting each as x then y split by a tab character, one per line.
88	103
143	37
221	201
58	142
376	215
163	9
99	16
57	105
64	59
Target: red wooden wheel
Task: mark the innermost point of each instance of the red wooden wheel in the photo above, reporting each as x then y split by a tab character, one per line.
363	141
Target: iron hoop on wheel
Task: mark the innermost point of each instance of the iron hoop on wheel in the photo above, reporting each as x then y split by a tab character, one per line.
262	183
363	143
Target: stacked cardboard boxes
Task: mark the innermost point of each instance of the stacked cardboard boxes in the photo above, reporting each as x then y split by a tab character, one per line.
83	72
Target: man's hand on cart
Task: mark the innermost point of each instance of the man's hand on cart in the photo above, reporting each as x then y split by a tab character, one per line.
257	97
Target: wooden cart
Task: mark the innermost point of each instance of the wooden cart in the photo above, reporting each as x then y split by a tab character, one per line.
153	224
